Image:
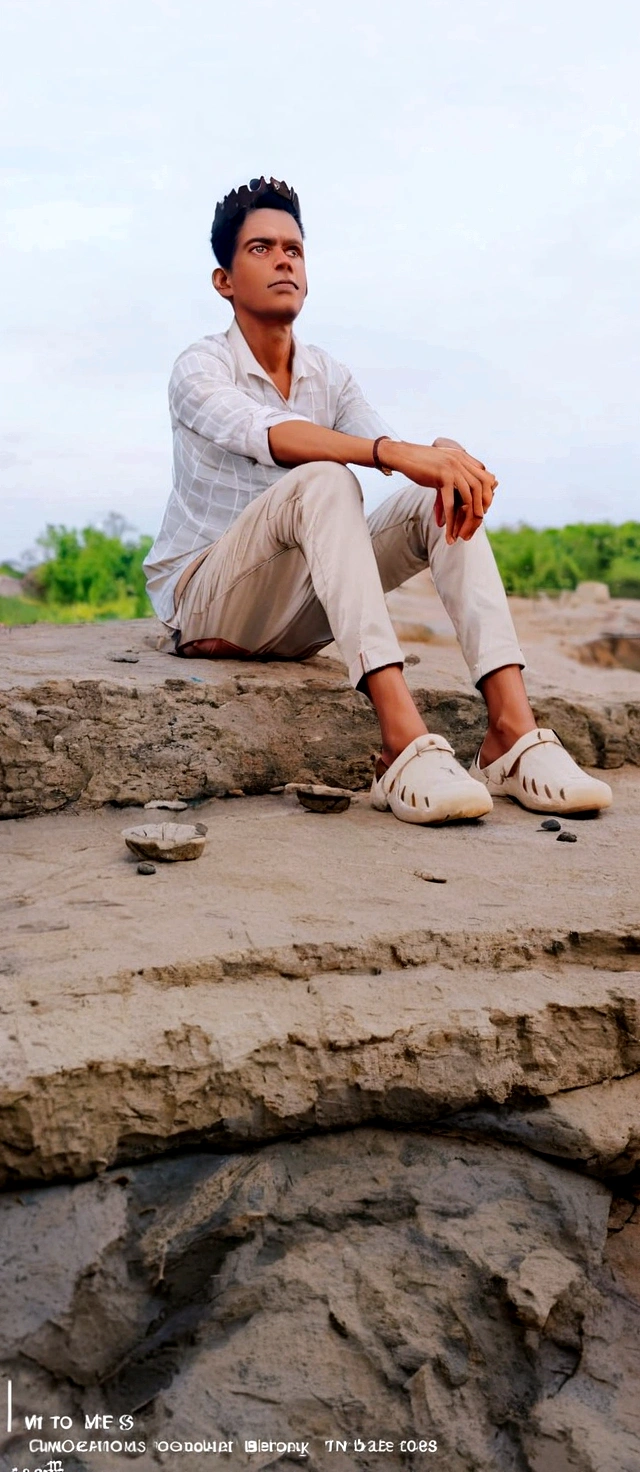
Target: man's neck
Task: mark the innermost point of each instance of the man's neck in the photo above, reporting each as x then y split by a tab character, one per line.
272	346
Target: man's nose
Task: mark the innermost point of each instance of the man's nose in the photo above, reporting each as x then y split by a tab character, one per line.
282	259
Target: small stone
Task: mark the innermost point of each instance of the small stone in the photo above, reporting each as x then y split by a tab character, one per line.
430	878
550	825
174	806
275	791
236	792
124	658
320	799
166	841
412	659
146	868
567	837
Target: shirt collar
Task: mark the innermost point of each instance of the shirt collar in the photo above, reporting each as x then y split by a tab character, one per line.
303	364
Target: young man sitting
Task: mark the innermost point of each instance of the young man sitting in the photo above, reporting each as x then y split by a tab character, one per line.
265	551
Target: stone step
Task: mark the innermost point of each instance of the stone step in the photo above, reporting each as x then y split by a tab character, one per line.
79	725
301	975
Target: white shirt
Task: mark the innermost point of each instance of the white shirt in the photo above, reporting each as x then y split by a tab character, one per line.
222	405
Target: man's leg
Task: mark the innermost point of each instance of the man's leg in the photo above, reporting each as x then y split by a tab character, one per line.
295	571
406	538
516	758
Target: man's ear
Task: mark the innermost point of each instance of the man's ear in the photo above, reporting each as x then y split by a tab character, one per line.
222	283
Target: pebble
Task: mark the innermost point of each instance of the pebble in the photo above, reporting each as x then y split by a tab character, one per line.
146	868
318	798
567	837
430	878
124	658
550	825
173	805
412	659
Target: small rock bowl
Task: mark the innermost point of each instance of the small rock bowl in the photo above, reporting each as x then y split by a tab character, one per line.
166	841
320	799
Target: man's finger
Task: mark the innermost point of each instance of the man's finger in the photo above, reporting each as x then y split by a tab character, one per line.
447	496
438	509
475	467
477	496
463	506
474	463
471	519
487	497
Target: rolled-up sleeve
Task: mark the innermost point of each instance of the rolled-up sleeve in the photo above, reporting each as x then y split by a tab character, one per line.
204	397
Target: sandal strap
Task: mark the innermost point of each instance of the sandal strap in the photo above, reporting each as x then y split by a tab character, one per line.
499	770
415	748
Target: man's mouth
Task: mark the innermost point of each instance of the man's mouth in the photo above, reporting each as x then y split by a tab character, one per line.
284	283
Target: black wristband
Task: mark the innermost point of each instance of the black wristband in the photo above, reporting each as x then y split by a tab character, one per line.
384	469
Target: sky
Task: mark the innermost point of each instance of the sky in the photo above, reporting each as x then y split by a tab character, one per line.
468	176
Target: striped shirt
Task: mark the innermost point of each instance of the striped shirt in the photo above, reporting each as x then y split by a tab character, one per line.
222	405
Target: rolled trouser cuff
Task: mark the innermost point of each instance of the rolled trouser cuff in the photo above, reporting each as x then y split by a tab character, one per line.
496	659
375	657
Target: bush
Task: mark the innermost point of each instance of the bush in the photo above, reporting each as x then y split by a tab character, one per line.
93	567
558	558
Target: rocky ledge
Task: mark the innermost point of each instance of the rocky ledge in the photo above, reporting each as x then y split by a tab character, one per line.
302	1147
104	714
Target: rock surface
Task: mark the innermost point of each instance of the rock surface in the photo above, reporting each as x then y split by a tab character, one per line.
597	1126
240	998
297	1145
75	727
380	1285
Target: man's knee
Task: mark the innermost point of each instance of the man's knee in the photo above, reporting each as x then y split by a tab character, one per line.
325	478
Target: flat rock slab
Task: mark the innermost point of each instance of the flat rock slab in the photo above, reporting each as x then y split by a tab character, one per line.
79	725
301	976
367	1285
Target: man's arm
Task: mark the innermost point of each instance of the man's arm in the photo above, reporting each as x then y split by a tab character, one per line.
465	488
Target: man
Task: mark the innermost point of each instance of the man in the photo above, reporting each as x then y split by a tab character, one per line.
264	549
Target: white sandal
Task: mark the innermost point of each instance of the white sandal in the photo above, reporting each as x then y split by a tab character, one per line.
425	784
539	773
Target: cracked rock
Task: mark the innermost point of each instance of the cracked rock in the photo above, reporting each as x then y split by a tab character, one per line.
378	1280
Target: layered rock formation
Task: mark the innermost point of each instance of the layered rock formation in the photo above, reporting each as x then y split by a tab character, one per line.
102	715
371	1287
301	1151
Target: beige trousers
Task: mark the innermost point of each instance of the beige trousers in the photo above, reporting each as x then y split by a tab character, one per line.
302	565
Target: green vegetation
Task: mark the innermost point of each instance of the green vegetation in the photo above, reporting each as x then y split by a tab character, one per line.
559	558
97	574
84	576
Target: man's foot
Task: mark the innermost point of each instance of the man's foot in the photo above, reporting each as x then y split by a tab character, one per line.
425	784
539	773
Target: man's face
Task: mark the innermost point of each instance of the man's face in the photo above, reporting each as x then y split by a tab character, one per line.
267	276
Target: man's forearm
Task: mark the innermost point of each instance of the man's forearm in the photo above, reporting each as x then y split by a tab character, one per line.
296	442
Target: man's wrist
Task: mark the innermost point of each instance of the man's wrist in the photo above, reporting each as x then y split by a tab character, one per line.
390	453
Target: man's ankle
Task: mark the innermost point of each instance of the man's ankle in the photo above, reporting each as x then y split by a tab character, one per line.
501	736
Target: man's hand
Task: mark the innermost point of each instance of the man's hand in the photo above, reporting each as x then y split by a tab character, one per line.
464	485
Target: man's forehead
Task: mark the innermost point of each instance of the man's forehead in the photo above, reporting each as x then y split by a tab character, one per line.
269	225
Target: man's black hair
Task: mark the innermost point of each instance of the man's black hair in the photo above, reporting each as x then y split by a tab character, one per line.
231	215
